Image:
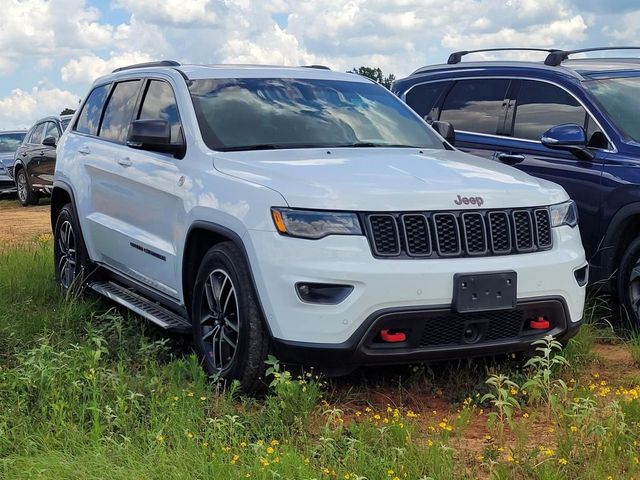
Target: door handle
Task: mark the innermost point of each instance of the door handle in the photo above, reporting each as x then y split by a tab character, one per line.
509	158
84	150
41	153
125	162
24	154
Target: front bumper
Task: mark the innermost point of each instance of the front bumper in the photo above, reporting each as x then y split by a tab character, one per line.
279	262
7	184
434	334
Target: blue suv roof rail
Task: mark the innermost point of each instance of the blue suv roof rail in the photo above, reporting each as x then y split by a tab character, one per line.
456	57
556	57
161	63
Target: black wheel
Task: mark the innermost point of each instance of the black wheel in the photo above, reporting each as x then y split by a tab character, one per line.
70	256
628	285
26	196
228	328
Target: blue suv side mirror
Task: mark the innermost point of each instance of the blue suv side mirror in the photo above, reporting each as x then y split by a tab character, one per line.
569	137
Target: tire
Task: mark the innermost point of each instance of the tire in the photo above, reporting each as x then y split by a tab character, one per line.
26	196
71	262
229	334
628	286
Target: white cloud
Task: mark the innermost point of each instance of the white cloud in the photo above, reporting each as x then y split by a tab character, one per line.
89	67
22	108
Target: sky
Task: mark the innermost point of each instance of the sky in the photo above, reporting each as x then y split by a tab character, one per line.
52	50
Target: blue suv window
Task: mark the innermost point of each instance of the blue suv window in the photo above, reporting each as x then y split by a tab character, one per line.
540	106
424	98
475	105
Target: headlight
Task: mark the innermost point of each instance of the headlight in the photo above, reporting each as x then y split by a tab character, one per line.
564	214
315	224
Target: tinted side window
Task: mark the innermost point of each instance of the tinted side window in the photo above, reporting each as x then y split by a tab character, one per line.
52	131
475	105
160	104
89	118
540	106
423	98
119	111
36	135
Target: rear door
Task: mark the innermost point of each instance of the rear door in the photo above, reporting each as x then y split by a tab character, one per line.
476	108
31	154
46	158
539	106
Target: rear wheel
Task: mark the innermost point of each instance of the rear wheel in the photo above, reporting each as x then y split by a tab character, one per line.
71	261
26	196
228	329
628	285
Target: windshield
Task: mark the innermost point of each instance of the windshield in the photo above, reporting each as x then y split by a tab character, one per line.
9	142
620	97
252	114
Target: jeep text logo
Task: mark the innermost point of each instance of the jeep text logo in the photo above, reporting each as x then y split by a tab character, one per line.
469	201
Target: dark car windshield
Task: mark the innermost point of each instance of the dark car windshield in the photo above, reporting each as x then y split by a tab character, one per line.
253	114
9	142
620	97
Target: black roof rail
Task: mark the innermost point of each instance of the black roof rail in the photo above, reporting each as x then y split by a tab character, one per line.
161	63
319	67
456	57
556	58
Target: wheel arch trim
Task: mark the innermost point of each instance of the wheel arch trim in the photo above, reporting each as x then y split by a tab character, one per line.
238	242
610	245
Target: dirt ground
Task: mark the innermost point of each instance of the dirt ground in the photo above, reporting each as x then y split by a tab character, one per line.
22	224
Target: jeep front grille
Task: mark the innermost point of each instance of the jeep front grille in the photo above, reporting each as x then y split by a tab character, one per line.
458	233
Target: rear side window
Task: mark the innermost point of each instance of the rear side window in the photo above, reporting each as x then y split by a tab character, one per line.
89	118
475	105
160	104
424	98
119	111
540	106
36	134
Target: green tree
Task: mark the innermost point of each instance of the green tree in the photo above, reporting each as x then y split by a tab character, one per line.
376	75
67	111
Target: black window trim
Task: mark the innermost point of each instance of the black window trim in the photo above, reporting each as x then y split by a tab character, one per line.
517	77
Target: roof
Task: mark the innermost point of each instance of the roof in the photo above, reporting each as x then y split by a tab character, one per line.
2	132
557	61
194	72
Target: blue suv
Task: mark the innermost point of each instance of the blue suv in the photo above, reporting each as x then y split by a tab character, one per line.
575	122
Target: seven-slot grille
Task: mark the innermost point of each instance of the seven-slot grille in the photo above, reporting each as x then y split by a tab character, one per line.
459	234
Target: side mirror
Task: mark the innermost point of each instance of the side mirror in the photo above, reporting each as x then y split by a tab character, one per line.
153	135
49	142
570	137
445	130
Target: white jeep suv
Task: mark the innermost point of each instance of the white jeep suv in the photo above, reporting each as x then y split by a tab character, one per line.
307	213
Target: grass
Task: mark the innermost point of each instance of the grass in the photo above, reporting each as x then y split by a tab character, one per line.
88	392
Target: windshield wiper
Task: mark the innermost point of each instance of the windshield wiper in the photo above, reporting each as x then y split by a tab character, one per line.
271	146
374	145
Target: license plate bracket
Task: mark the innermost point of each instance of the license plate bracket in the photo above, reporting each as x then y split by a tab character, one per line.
479	292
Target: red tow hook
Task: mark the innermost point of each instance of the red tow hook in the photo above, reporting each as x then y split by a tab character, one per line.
391	336
540	323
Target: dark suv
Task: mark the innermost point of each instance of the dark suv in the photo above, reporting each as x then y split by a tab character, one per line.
9	143
35	159
574	122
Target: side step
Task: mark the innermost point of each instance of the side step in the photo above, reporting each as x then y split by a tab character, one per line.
142	306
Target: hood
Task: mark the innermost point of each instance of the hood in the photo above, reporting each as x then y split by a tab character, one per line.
388	179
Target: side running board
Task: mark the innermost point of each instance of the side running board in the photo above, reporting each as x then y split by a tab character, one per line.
142	306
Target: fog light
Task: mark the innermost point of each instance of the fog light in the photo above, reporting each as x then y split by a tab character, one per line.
323	293
582	275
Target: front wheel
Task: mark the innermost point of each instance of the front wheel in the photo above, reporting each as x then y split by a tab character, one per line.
628	284
26	196
228	328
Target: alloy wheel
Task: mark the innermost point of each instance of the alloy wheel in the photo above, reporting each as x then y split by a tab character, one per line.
22	186
220	319
67	254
